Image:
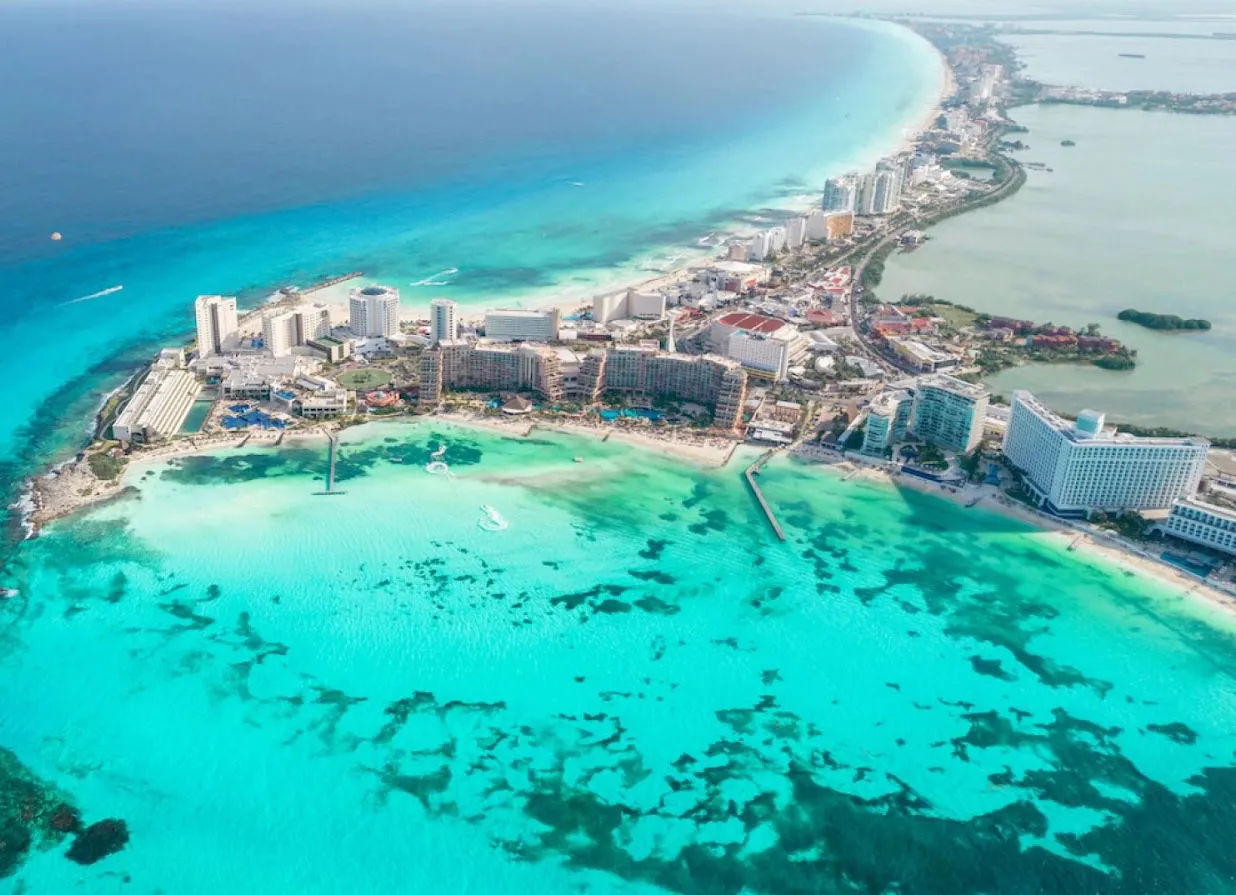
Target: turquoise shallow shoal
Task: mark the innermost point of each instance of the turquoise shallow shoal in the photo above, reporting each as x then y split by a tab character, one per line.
633	687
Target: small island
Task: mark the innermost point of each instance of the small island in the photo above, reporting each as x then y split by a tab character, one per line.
1162	321
1131	55
1067	143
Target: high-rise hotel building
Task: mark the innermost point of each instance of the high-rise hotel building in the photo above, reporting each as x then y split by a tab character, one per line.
281	332
1076	467
216	324
443	321
373	311
949	412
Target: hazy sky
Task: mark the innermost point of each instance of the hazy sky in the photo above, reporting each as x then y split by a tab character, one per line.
994	8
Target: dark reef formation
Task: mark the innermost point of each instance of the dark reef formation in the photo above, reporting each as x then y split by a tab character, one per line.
99	840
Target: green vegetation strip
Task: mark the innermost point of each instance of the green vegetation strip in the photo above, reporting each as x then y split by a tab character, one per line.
1162	321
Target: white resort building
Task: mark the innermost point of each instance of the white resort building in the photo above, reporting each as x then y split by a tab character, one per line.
888	419
521	326
949	412
281	332
1074	468
443	321
216	324
1203	521
159	406
373	311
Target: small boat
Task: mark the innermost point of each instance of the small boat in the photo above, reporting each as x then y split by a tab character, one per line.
579	459
396	459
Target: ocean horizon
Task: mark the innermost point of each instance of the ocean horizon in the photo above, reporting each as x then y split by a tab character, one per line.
435	152
525	663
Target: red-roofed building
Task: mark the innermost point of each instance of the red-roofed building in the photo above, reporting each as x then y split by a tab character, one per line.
752	323
1039	340
823	318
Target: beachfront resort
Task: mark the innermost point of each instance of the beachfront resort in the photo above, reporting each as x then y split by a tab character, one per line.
779	340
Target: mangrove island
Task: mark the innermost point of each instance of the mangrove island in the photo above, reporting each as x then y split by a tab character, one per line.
1162	321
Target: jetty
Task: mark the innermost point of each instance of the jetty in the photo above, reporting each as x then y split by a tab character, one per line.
330	473
752	471
326	284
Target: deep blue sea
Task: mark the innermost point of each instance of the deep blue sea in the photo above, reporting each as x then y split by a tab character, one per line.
502	154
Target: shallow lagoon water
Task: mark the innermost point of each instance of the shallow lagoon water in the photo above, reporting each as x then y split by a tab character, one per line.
1134	216
632	688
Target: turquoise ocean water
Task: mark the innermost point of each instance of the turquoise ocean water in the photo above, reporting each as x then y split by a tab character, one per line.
633	688
518	156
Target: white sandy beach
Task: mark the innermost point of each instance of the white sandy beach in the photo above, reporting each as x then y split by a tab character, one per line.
1108	549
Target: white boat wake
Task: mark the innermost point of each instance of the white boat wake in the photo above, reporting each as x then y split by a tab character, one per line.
92	296
434	279
493	520
436	466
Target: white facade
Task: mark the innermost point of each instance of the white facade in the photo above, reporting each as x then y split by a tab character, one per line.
159	406
1080	467
1203	523
776	239
373	311
646	305
609	307
328	402
796	233
761	246
766	354
816	225
312	322
443	321
949	412
864	194
216	324
840	194
887	194
888	418
279	333
521	326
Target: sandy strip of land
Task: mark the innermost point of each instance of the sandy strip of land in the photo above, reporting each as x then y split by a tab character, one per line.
72	486
696	448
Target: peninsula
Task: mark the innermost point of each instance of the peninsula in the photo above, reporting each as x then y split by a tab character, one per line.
780	341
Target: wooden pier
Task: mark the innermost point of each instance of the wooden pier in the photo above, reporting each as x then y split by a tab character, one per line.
752	471
330	473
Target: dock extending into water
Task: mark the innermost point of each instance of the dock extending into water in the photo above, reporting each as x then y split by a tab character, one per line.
326	284
752	471
330	473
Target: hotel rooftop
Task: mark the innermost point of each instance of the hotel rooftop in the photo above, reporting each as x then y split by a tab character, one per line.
1090	426
754	323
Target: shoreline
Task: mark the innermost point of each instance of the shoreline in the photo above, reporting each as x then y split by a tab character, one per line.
567	298
38	504
701	451
1105	549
